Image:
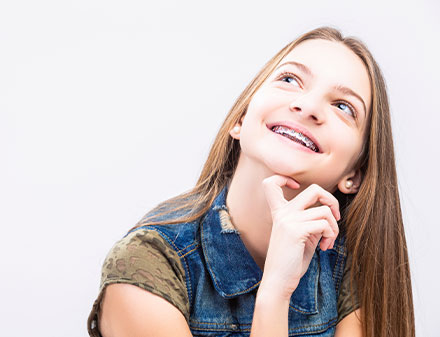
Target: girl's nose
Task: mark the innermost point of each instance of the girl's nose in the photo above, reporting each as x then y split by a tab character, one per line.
308	110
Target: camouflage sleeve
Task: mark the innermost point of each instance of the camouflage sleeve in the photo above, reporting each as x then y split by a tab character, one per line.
347	303
144	259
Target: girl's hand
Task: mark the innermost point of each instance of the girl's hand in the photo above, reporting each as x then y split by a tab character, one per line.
296	230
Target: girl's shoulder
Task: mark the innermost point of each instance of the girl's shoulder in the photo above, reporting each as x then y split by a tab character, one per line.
137	255
146	259
178	236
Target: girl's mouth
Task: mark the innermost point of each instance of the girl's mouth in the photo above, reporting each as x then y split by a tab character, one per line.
295	136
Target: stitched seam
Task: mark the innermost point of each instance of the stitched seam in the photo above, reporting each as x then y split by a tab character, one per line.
206	255
316	283
336	266
341	254
298	310
290	330
339	268
188	283
341	272
202	323
336	270
243	291
315	325
225	329
187	275
194	243
195	248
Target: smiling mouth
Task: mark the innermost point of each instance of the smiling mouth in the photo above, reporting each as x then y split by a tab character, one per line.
295	136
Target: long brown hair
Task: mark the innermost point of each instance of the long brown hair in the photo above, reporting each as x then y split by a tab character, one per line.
373	220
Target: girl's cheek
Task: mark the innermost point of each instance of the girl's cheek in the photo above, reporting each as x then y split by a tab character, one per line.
257	103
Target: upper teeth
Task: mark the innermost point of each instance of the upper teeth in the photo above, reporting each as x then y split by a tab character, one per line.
292	134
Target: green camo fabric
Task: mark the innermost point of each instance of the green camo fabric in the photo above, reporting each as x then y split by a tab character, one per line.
144	259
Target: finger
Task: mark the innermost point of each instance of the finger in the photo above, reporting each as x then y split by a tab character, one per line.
315	193
321	212
319	227
325	243
273	191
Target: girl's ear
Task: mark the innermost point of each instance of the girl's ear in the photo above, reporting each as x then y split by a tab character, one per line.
350	183
235	132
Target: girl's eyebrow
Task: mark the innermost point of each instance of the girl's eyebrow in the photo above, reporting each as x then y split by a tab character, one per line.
301	67
338	87
348	91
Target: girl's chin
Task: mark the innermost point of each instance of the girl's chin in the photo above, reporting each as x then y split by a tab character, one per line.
287	168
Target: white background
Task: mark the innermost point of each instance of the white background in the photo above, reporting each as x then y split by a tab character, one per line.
108	107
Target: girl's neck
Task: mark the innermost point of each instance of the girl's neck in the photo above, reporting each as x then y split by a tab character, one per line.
249	209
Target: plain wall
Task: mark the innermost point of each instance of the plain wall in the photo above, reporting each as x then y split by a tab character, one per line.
109	107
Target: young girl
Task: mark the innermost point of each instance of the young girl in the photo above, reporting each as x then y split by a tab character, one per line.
294	226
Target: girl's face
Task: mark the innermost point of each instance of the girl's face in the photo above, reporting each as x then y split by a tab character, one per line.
308	119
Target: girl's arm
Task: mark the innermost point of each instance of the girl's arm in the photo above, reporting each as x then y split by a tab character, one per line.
270	314
298	226
130	311
350	326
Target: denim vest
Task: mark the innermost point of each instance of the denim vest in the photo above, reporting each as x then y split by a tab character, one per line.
222	279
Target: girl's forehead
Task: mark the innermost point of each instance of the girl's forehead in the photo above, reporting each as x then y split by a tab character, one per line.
331	63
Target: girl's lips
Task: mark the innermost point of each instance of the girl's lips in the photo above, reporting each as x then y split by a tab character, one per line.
296	128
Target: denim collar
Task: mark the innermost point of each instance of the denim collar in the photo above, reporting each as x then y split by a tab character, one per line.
234	271
232	268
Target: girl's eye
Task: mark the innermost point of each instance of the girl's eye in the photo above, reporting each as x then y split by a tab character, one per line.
347	108
289	78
